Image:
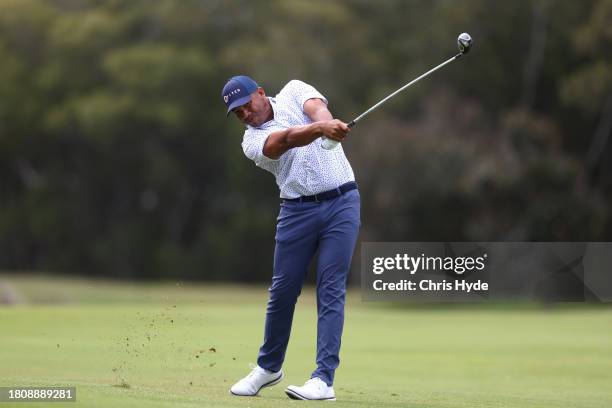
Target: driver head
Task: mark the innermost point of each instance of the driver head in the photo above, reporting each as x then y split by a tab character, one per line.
464	42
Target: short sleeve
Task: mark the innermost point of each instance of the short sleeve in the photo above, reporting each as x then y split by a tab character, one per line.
252	145
301	92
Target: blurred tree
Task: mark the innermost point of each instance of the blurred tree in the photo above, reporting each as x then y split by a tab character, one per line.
589	88
116	157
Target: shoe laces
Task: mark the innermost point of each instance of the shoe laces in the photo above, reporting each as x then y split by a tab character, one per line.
254	370
317	382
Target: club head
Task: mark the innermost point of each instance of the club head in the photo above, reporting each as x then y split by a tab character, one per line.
464	42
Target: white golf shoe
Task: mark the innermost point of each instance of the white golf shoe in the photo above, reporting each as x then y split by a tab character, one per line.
259	378
313	389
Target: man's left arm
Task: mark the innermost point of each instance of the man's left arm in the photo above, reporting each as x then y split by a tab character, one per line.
316	110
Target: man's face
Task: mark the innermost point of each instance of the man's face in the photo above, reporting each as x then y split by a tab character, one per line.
255	112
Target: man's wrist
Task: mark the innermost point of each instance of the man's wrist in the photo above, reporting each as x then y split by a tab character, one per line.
318	128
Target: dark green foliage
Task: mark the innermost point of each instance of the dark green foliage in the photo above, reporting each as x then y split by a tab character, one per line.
116	157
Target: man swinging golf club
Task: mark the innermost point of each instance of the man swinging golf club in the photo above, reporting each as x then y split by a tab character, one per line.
294	136
319	210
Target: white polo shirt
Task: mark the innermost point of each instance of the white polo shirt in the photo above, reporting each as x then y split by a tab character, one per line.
300	171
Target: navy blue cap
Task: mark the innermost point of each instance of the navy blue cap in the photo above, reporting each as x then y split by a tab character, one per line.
237	91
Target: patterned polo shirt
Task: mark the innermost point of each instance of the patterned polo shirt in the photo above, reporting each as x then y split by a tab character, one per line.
300	171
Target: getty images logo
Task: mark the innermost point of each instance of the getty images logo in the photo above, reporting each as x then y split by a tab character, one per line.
412	264
234	92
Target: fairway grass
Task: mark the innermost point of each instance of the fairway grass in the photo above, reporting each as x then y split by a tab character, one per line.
170	345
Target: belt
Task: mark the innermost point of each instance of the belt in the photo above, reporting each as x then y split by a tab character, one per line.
326	195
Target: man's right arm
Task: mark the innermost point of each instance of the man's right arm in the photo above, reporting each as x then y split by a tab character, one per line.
280	141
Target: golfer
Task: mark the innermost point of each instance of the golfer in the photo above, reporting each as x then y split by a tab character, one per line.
319	210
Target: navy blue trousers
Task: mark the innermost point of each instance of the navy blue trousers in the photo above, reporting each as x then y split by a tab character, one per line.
331	227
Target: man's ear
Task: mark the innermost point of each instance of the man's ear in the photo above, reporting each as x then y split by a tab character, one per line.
261	91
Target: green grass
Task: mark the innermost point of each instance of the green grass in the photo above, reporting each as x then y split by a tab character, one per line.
151	346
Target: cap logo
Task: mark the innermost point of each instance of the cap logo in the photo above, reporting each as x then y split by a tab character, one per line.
231	93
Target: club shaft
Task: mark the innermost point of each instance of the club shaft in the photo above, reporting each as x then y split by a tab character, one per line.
358	118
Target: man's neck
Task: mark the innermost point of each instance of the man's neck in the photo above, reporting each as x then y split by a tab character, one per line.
270	115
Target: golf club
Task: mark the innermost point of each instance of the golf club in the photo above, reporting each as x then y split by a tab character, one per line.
464	43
